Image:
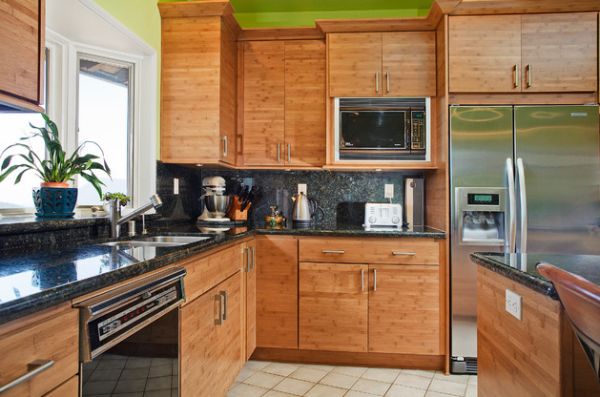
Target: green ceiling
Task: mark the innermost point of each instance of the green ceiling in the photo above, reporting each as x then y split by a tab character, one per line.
279	13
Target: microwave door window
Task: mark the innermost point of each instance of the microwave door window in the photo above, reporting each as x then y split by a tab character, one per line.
373	130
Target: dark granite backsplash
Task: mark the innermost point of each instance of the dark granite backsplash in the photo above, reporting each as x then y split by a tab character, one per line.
341	194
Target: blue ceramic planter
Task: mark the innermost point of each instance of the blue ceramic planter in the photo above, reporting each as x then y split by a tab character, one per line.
54	202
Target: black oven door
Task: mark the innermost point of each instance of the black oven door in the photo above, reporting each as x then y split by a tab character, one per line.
384	130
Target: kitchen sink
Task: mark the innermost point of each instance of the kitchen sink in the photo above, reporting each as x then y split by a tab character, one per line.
157	241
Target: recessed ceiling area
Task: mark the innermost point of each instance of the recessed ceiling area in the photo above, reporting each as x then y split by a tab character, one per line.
303	13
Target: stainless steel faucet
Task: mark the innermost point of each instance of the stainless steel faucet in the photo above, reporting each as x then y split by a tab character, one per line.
115	217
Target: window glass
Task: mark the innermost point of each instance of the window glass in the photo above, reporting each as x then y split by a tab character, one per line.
104	117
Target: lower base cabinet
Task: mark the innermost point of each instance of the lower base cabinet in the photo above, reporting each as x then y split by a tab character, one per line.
211	327
68	389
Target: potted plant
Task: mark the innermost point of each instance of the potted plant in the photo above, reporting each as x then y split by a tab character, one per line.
116	200
54	198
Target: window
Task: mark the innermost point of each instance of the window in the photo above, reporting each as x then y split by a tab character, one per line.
104	116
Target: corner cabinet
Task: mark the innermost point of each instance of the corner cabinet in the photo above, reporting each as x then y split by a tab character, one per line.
283	91
198	83
390	64
533	53
22	45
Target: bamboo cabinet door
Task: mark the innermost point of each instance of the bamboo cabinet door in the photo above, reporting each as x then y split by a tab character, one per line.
333	306
228	97
264	84
305	103
354	64
409	64
560	52
250	274
404	309
277	291
485	53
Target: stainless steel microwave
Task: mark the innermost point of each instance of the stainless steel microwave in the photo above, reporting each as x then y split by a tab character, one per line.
382	129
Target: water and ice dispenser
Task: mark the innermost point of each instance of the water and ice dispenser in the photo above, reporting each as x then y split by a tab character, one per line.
481	215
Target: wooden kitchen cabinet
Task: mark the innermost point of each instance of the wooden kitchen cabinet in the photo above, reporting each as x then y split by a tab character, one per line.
404	309
277	291
68	389
523	53
284	103
250	301
22	45
210	332
333	306
382	64
198	80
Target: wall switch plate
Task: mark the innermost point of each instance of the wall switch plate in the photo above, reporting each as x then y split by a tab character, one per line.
388	191
513	304
302	188
175	186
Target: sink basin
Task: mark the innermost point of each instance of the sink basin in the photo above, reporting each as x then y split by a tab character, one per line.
157	241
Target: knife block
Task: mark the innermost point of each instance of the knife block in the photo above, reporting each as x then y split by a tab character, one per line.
235	212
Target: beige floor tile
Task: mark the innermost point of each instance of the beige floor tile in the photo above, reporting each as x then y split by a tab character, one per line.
261	379
435	394
356	393
452	378
404	391
244	390
294	386
472	379
320	367
282	369
386	375
338	380
471	391
308	374
415	381
275	393
419	372
453	388
256	365
350	371
325	391
244	374
371	386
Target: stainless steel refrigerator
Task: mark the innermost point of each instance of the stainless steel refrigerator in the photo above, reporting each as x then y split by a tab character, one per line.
523	179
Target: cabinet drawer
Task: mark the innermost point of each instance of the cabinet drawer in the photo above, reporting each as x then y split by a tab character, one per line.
203	274
367	250
54	338
68	389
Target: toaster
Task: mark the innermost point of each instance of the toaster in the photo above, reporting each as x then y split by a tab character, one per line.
383	216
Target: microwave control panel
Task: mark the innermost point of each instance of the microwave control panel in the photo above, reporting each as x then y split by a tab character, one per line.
417	134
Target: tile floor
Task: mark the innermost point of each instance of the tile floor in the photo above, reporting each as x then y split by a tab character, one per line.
261	378
119	376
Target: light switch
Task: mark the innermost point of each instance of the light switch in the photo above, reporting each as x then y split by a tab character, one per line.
302	188
388	191
513	304
175	186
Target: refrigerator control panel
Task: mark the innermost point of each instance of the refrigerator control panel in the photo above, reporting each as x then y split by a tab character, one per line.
480	216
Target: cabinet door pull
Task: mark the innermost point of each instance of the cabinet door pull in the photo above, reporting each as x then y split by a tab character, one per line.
225	146
400	253
289	152
33	368
219	319
374	279
253	258
529	78
362	280
377	82
516	79
339	252
388	77
248	259
278	152
225	302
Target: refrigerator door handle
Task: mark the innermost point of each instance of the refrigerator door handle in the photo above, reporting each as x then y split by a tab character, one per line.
523	203
511	230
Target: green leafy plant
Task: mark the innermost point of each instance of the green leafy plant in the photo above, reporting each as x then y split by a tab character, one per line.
121	197
57	167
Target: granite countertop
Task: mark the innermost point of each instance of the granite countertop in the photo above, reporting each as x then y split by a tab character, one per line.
522	268
35	279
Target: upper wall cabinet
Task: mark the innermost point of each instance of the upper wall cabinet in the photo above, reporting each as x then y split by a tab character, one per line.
381	64
523	53
198	101
22	52
284	103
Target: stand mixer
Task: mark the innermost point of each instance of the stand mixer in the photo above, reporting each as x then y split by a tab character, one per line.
214	202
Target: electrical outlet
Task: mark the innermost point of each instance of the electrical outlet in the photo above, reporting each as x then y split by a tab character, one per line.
388	191
513	304
175	186
302	188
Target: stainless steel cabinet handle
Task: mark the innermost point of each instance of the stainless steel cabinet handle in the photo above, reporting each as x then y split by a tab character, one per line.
289	152
377	82
388	77
374	279
511	230
33	368
225	148
516	79
362	280
253	258
278	152
219	319
333	251
529	78
523	200
400	253
225	302
248	259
